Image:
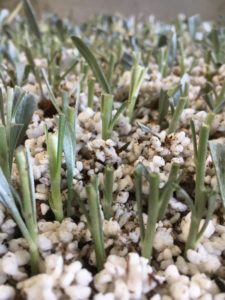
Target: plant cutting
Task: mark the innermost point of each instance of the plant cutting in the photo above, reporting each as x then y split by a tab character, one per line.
176	99
215	100
69	117
203	196
108	120
137	77
25	216
16	112
158	200
55	149
178	110
217	150
94	220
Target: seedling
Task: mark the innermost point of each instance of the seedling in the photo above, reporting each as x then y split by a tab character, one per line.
93	216
69	144
26	216
167	48
218	155
20	71
55	149
93	212
56	72
181	60
69	139
203	196
178	110
16	112
34	68
108	120
137	77
51	52
163	109
158	200
176	99
214	100
216	42
193	25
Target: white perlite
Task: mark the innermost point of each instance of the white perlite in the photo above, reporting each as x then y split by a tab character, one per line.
38	287
72	279
7	292
126	278
163	239
10	266
206	262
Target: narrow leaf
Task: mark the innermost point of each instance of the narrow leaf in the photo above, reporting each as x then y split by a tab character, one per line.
6	198
4	155
118	113
92	62
194	140
52	96
163	107
146	129
24	113
15	134
218	156
138	195
30	13
31	180
2	111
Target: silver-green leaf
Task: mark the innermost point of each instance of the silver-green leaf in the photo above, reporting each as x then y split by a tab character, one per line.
218	156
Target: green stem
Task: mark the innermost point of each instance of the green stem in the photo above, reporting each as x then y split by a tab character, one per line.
34	257
181	59
163	60
138	196
194	140
106	114
168	190
200	192
69	210
91	86
85	70
55	148
108	192
193	233
176	116
27	209
56	199
96	224
132	102
4	154
200	170
112	63
137	78
153	204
